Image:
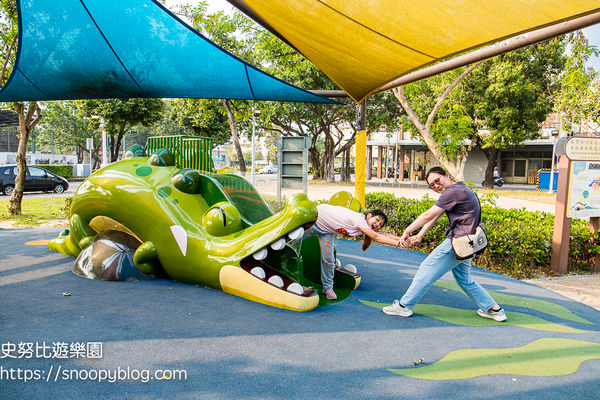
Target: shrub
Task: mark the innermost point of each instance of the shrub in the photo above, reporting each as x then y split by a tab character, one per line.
66	171
520	241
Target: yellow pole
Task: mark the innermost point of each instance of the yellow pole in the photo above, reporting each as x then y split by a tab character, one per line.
361	157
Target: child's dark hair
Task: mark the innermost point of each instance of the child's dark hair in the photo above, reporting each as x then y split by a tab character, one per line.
435	170
375	213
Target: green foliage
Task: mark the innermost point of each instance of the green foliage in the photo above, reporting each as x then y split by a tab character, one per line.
512	94
201	117
520	242
578	97
451	130
66	171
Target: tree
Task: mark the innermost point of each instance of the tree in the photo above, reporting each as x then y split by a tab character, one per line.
201	117
335	125
245	39
446	137
63	127
29	113
579	98
509	95
117	116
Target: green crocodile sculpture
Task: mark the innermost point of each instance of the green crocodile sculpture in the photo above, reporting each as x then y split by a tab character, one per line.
208	229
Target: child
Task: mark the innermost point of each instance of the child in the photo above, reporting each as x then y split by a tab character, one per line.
333	220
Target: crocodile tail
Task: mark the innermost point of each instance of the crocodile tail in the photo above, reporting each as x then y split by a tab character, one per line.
75	240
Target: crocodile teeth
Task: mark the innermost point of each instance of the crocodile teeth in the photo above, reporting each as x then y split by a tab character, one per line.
258	272
295	288
260	255
350	268
276	280
296	234
278	244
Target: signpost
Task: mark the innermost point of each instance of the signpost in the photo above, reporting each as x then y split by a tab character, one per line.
578	194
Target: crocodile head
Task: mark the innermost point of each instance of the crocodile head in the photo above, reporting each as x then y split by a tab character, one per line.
206	229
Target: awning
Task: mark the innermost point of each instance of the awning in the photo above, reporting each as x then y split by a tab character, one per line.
84	49
364	44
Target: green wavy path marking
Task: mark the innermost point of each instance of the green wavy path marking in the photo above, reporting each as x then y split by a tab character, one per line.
543	357
544	306
459	316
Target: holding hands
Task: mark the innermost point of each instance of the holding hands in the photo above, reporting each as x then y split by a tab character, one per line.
408	241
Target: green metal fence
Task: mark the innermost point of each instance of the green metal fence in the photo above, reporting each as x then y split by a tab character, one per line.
190	151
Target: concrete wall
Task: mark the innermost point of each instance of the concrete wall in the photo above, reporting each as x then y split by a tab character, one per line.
474	168
39	158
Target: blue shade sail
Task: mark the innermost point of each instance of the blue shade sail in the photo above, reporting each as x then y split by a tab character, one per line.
85	49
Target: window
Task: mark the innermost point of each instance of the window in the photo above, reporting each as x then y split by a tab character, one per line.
535	164
37	172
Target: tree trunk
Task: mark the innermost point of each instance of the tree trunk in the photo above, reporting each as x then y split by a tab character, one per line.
315	161
329	159
116	145
27	121
345	170
96	156
456	169
492	155
234	136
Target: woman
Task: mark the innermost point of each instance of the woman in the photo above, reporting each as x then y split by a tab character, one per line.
464	215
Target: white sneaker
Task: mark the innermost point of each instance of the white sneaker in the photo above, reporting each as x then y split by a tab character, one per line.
499	315
397	309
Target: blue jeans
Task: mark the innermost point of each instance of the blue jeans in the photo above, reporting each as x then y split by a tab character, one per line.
440	261
327	244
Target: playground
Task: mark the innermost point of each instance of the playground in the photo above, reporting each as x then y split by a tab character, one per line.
230	347
197	289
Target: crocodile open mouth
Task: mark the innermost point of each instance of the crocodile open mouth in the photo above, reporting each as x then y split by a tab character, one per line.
257	264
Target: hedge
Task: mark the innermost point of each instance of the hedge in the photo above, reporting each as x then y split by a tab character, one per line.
520	241
66	171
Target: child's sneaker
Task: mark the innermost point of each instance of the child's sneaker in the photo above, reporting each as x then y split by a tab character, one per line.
330	294
499	315
397	309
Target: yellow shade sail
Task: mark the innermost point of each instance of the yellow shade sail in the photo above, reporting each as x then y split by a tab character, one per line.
364	44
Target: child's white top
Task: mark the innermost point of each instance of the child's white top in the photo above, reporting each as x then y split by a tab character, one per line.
337	219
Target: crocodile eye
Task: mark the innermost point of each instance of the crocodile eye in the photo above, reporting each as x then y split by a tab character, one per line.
187	181
222	219
134	151
162	158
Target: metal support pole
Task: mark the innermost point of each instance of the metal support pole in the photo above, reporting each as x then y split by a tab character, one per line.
361	150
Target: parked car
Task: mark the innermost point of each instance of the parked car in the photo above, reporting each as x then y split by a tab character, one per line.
269	169
36	180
